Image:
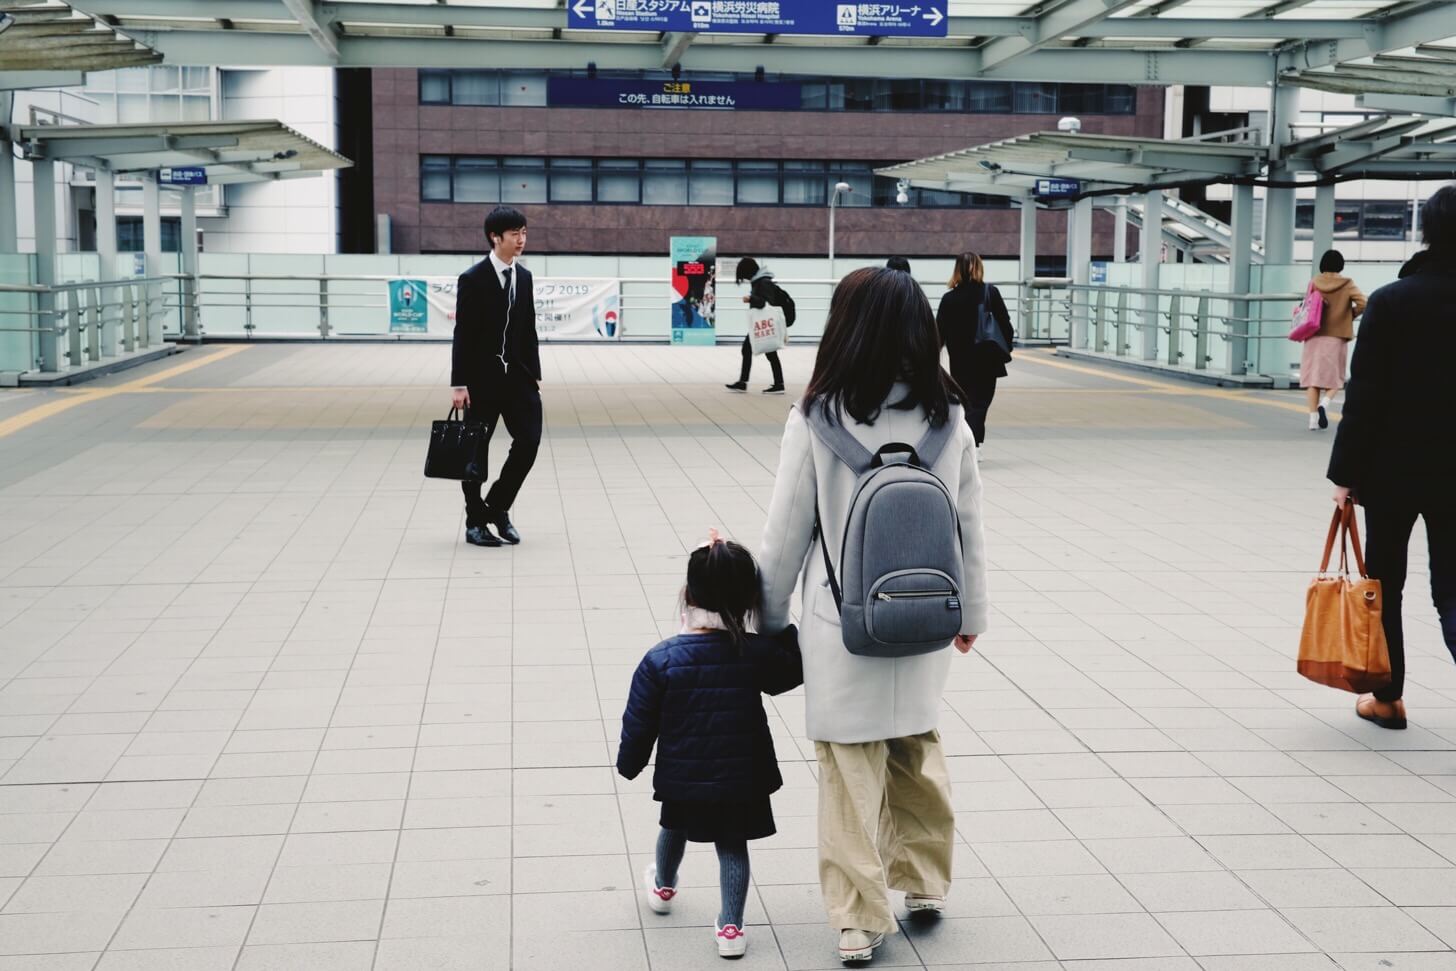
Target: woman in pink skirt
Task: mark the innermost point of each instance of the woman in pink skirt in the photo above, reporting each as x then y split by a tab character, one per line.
1322	364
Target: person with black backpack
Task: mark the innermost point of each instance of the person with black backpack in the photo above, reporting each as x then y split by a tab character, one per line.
876	511
762	292
976	329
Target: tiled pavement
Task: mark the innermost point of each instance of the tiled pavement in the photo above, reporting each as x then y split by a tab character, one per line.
261	709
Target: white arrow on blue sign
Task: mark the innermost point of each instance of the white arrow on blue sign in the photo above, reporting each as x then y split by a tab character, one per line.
921	18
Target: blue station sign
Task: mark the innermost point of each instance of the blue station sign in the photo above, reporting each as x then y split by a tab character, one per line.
690	95
908	18
183	175
1058	187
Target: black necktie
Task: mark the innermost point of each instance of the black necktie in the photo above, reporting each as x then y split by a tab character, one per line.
510	291
506	330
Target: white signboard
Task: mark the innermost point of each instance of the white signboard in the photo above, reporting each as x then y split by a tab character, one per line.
567	308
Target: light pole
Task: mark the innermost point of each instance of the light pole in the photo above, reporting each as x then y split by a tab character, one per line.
834	198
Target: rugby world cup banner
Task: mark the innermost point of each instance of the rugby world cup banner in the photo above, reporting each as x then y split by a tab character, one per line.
567	308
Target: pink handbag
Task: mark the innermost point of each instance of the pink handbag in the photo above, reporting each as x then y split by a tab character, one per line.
1308	315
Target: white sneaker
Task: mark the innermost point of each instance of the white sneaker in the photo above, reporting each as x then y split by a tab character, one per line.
858	946
659	899
732	941
923	903
1314	421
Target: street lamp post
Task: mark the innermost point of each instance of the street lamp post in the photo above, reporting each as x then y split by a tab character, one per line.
834	198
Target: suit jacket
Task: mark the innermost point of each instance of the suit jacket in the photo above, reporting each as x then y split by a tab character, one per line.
1394	442
956	318
482	331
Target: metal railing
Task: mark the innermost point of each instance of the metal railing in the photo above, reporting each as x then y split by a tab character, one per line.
314	306
87	322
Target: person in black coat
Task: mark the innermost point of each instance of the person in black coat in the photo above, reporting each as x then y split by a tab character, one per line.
1394	451
496	370
975	366
698	697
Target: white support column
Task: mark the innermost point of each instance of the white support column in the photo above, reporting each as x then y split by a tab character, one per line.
1079	263
1119	239
189	263
1241	251
9	204
1152	261
1028	264
152	244
1279	203
1324	221
106	255
43	171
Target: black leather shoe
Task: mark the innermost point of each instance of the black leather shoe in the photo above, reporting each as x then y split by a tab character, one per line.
481	536
503	525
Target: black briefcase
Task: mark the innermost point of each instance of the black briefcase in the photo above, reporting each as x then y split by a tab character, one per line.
457	449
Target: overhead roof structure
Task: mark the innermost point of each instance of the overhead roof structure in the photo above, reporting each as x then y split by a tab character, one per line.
1378	148
1247	42
1100	163
231	151
49	36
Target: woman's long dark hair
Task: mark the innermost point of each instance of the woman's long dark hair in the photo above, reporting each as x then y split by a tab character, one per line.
723	578
880	331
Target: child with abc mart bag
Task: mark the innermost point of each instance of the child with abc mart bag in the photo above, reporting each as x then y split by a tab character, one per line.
698	697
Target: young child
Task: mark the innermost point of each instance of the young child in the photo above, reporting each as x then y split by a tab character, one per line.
697	695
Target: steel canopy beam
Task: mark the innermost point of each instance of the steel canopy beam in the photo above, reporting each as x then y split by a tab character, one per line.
1157	159
1409	104
1393	33
305	12
1067	19
62	149
674	44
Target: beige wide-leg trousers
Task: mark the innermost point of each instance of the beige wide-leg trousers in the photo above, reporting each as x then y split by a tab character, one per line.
885	822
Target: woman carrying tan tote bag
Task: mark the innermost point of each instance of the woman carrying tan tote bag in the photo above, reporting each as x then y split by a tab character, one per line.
1343	643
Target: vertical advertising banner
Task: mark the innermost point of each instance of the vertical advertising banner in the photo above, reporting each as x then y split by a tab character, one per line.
409	307
694	289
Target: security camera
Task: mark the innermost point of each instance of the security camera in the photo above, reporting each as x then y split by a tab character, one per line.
902	192
843	187
1071	125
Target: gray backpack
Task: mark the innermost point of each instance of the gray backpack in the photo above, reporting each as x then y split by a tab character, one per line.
900	557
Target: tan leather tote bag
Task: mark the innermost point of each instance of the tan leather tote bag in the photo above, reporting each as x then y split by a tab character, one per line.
1343	643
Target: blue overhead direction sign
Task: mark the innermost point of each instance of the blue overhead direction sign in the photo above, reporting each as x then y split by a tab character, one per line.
1058	187
907	18
183	175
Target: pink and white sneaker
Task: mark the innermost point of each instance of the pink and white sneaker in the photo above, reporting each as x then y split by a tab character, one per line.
732	941
659	899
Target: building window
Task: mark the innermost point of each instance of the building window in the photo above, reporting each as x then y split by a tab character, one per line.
711	184
523	180
619	180
434	87
664	182
1361	219
131	238
758	183
671	182
571	180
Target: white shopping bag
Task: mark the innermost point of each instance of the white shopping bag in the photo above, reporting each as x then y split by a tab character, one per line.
766	329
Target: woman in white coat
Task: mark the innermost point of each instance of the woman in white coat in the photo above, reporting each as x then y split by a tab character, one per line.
885	819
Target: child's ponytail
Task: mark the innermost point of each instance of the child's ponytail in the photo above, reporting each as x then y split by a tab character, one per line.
723	579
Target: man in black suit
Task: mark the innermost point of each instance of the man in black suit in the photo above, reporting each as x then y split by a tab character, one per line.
496	370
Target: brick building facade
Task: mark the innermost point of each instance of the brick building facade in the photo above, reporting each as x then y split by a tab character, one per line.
407	132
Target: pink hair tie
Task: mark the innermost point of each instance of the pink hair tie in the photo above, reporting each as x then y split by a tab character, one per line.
713	537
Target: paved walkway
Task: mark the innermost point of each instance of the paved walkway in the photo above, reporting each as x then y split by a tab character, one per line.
262	709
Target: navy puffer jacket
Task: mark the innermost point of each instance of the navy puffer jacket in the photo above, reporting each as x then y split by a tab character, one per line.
700	699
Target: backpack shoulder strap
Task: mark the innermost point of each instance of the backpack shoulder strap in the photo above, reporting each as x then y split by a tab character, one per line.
933	443
840	440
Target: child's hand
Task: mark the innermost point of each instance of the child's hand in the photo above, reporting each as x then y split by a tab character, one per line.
964	642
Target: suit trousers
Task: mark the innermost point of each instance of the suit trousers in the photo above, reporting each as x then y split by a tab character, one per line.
885	823
1388	527
516	400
